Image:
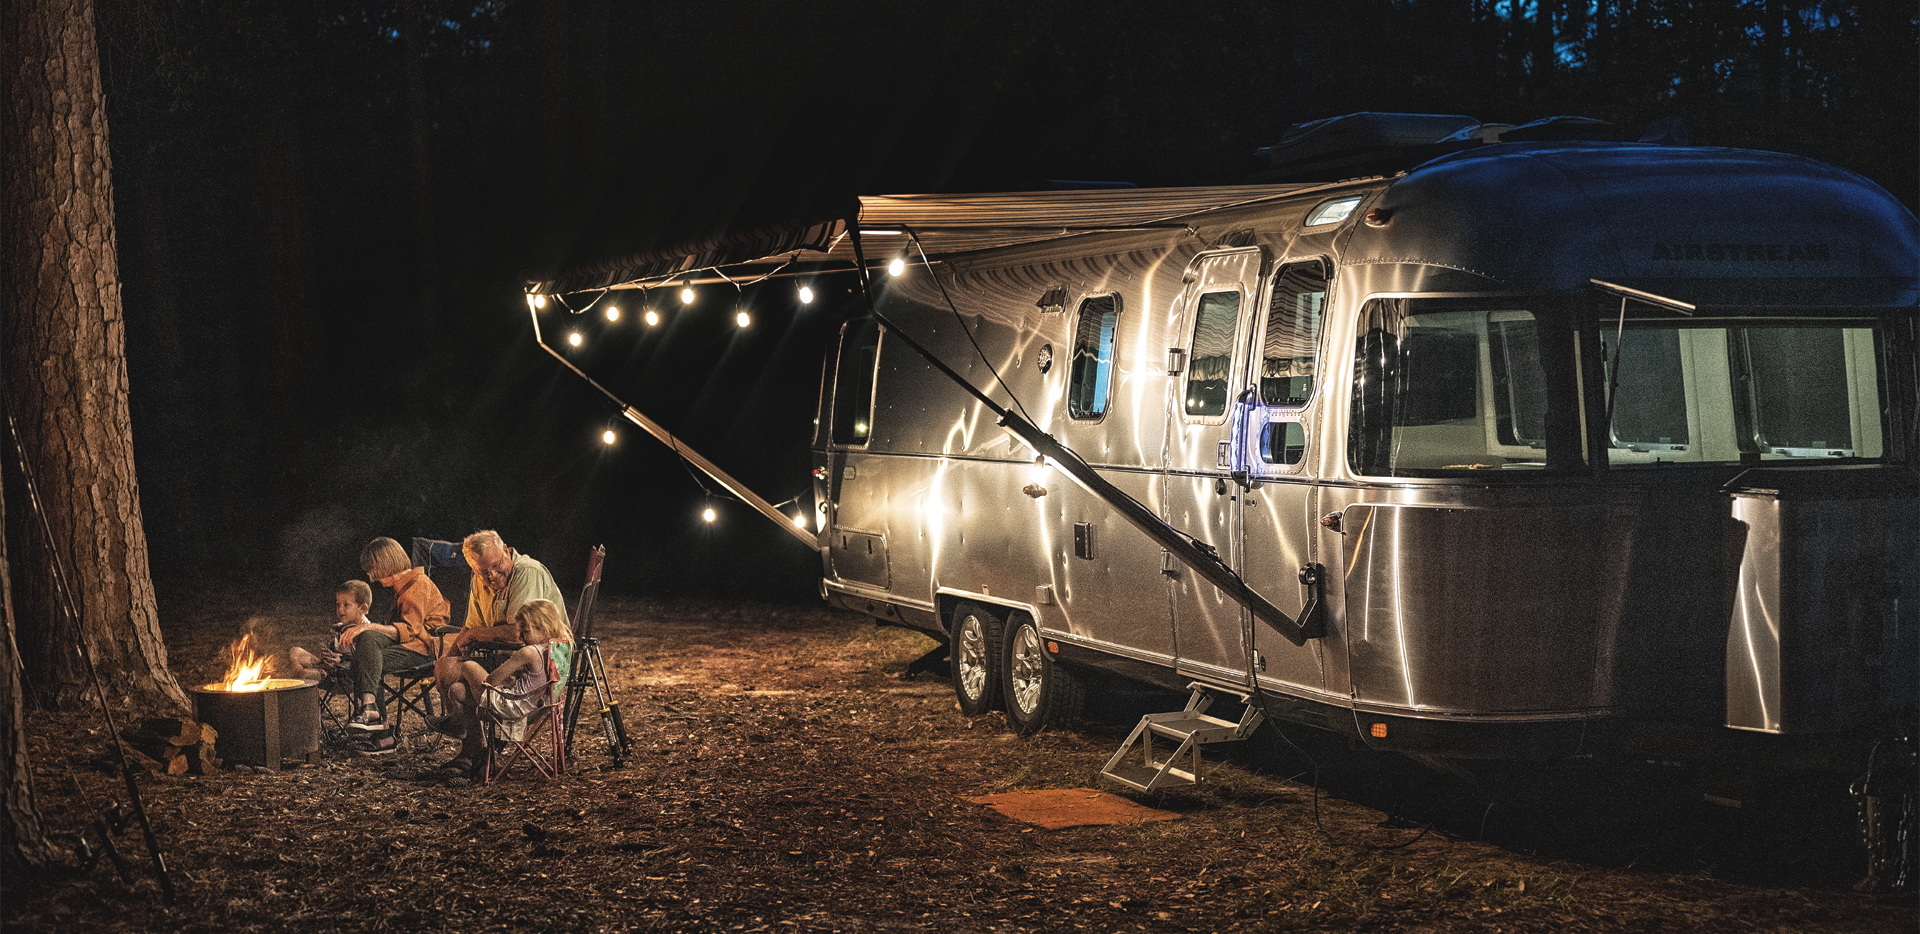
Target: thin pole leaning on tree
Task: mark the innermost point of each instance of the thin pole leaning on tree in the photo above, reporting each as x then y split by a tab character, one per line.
93	673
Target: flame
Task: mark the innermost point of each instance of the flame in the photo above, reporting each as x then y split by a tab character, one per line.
247	669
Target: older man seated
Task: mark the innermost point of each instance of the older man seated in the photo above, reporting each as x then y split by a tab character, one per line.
504	581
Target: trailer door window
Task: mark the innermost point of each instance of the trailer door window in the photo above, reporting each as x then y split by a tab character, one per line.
853	382
1292	342
1214	320
1090	377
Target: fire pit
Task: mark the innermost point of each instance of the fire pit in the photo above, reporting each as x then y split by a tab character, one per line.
262	721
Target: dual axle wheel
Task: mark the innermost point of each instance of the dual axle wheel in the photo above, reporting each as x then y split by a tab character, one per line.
997	662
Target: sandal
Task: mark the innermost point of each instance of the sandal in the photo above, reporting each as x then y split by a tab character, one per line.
368	719
379	746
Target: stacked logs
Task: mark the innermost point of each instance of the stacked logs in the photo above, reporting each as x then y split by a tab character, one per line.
174	745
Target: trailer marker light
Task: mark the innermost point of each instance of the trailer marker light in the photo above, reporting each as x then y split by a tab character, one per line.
1378	217
613	312
1053	648
1378	731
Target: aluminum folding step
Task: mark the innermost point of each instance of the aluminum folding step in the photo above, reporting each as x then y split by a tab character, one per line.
1190	728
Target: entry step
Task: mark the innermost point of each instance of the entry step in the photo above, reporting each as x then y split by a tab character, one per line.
1138	764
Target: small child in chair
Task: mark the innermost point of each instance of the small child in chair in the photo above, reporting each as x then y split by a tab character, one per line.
511	692
350	605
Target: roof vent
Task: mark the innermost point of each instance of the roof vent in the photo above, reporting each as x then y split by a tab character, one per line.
1364	144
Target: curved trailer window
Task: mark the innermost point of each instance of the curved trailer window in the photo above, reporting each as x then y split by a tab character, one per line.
1091	375
1450	386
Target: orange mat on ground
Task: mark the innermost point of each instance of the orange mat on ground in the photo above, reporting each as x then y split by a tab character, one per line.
1071	807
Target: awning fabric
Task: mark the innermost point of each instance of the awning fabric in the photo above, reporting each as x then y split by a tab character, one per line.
943	225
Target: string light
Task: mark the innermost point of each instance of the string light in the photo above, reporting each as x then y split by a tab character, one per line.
653	318
897	267
608	437
574	338
709	514
613	312
686	295
742	319
800	521
537	301
806	295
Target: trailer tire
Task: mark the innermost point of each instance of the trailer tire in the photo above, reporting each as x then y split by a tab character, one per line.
1040	692
974	657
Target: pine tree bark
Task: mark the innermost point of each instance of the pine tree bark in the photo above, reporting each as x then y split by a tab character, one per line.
64	376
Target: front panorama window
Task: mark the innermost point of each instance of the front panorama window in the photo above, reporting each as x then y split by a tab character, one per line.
1475	387
1719	391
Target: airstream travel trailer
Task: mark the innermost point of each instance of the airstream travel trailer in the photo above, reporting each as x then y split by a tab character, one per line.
1528	450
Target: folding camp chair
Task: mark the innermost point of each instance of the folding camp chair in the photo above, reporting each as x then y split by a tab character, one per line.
535	739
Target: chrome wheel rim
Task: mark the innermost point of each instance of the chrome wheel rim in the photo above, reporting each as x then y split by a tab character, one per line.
970	657
1028	670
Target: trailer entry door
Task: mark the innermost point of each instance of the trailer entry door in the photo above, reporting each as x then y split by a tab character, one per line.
1201	496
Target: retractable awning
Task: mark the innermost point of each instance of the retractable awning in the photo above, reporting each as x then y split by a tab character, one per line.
942	225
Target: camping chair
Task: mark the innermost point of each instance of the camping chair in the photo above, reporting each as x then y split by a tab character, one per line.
535	739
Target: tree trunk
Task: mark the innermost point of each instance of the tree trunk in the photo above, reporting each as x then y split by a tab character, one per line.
62	346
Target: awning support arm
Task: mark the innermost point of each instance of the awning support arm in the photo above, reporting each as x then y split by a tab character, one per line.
1203	559
728	483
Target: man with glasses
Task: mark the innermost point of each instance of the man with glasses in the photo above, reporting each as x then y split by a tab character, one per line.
504	580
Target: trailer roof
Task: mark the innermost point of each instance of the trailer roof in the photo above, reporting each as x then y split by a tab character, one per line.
888	224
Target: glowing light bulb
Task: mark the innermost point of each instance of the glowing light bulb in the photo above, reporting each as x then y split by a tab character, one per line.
574	338
686	295
896	267
799	522
539	301
653	318
608	437
613	312
806	295
742	319
708	514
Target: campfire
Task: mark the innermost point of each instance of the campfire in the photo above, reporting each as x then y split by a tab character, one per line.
248	669
261	720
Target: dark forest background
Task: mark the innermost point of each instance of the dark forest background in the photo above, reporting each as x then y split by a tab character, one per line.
328	210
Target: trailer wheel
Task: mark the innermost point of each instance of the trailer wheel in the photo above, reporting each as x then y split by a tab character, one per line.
1040	692
974	653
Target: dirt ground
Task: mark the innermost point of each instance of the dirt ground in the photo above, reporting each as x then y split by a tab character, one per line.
786	778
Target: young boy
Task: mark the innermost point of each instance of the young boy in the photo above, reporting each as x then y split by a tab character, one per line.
351	601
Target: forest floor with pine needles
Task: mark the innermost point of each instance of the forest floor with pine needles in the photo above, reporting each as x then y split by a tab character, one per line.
785	777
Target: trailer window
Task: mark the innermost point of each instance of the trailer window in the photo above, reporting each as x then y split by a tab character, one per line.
1292	342
853	382
1449	386
1214	320
1090	377
1730	391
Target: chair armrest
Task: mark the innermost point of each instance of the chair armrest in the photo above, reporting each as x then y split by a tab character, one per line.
444	630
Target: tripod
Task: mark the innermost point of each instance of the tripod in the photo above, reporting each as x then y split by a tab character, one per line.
590	670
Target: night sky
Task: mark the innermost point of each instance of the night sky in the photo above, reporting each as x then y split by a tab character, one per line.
328	210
